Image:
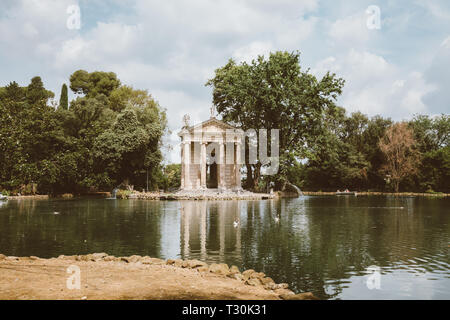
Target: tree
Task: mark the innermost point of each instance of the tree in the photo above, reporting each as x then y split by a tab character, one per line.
94	83
338	160
36	93
432	135
92	145
399	149
64	98
275	93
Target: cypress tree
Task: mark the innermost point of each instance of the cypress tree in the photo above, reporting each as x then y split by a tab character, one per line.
64	99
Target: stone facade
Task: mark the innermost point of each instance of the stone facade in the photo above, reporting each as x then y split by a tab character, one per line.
210	156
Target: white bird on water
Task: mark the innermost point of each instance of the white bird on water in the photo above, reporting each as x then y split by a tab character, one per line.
55	212
236	223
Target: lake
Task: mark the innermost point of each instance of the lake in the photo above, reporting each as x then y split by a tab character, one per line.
338	247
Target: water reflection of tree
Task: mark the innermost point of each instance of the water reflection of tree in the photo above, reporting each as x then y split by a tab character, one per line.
340	238
81	227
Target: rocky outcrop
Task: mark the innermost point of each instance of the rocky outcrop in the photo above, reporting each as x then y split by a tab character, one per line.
249	277
200	195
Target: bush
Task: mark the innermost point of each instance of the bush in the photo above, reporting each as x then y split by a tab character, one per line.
123	194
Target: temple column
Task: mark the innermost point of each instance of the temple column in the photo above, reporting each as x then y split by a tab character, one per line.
187	160
221	181
237	166
183	170
203	165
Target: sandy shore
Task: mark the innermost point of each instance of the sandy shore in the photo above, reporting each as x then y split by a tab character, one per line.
118	278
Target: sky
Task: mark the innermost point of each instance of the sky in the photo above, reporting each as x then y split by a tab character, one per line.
397	68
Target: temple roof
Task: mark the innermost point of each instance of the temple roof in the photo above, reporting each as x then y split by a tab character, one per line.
211	122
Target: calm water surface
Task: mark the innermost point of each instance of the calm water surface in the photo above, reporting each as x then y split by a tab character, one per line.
326	245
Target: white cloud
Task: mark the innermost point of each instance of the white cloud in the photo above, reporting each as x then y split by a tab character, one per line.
171	48
375	86
350	31
251	51
438	74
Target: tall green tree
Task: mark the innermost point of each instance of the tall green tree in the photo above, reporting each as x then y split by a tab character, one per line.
275	93
94	83
433	136
64	98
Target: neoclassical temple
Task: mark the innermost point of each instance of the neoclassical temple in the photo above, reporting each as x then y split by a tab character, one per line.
210	155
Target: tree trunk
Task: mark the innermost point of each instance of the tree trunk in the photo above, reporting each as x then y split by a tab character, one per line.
249	181
256	176
396	185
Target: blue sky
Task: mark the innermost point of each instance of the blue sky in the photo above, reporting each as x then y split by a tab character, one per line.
172	47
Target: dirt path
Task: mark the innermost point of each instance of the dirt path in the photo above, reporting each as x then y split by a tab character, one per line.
107	277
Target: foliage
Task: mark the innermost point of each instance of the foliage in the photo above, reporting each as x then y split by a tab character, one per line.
123	194
64	98
172	176
274	93
399	148
93	145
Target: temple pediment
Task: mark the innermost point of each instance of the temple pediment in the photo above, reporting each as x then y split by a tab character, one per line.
210	125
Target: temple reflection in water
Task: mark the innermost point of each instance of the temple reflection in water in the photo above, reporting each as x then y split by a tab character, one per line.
210	227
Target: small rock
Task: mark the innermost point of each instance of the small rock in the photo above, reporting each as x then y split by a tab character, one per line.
178	263
271	286
12	258
300	296
247	273
238	276
253	282
185	264
135	258
109	258
282	286
86	257
2	257
283	291
63	257
83	298
257	275
98	256
33	258
24	258
131	259
203	269
196	263
170	262
219	268
266	280
148	260
234	270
